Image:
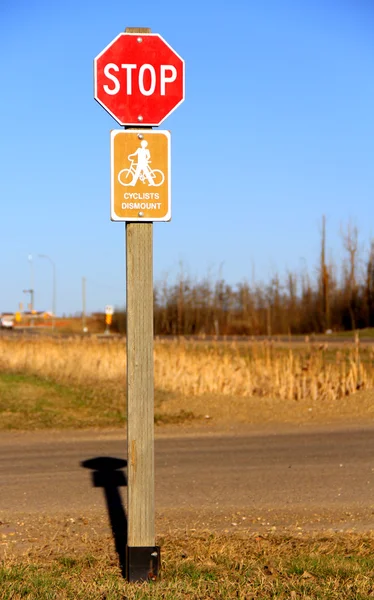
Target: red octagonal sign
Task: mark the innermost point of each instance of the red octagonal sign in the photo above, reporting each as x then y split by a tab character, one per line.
139	79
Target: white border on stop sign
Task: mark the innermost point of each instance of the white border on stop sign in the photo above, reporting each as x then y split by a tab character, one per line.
128	123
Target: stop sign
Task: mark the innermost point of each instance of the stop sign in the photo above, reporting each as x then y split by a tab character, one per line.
139	79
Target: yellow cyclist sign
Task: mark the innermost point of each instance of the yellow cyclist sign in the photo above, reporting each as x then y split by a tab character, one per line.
140	175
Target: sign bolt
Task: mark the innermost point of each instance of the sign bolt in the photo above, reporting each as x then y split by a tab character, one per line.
140	118
140	214
139	39
140	136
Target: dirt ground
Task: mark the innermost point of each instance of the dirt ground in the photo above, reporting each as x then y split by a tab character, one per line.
42	535
225	413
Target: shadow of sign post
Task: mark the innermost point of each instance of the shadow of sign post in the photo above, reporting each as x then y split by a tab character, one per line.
107	473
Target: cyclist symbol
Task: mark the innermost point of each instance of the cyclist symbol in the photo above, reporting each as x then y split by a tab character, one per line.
140	170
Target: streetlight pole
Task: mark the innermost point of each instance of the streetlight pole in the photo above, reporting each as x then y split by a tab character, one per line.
31	290
54	287
29	258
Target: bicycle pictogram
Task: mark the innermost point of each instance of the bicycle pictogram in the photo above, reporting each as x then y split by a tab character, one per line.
140	169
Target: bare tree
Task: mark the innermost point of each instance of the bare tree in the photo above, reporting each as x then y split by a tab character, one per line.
324	280
350	243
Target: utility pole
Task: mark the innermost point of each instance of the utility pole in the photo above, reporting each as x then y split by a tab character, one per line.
53	288
31	290
84	327
31	282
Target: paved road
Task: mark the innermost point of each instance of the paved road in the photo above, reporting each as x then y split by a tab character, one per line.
30	333
310	474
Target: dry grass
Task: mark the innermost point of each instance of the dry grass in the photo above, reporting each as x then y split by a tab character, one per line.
200	566
196	369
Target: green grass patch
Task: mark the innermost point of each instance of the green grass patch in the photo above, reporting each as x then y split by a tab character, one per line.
28	402
367	332
184	416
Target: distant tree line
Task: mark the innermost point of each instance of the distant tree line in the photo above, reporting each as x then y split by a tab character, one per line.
338	297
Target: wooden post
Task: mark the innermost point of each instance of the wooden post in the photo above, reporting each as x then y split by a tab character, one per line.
142	554
140	412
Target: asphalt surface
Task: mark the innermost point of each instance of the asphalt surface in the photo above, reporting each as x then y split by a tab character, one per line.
30	333
325	476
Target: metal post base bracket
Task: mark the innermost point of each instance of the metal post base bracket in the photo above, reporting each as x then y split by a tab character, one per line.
142	563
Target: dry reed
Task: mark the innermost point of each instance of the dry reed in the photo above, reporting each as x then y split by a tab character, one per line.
195	369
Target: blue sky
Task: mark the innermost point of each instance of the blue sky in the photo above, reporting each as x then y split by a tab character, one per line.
277	129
